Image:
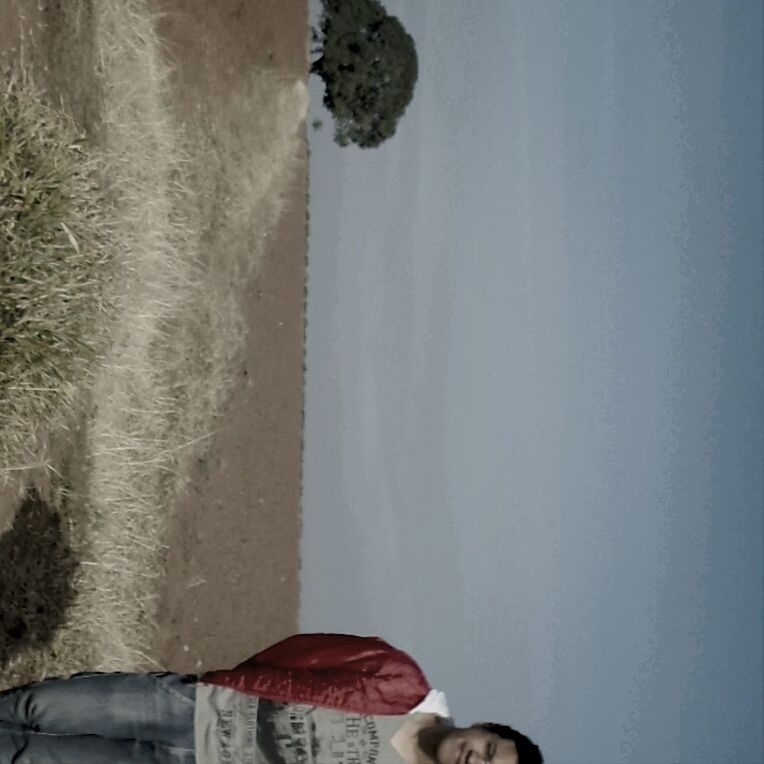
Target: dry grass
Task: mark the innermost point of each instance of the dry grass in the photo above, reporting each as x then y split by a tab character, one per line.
174	332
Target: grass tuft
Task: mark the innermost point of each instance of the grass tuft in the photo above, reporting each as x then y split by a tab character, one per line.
55	256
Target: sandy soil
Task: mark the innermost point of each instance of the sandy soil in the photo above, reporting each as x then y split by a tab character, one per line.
232	575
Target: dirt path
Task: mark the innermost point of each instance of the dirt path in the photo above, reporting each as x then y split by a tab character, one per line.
232	581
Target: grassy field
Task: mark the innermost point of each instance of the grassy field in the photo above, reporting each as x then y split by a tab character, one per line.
125	236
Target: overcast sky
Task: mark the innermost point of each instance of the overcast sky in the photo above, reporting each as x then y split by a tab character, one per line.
534	411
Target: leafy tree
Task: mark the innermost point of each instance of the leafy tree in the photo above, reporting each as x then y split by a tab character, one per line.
369	67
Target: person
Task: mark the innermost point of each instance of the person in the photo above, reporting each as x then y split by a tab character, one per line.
309	699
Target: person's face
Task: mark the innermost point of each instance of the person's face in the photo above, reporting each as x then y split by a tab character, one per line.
475	745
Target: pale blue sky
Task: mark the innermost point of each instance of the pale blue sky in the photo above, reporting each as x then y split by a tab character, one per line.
534	442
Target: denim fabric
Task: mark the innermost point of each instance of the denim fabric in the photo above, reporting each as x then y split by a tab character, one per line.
95	718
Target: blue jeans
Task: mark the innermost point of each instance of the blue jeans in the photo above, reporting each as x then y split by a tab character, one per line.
95	718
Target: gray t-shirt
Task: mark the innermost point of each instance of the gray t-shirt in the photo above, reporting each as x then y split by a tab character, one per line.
234	728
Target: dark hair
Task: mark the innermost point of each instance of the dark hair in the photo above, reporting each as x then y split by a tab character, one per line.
527	751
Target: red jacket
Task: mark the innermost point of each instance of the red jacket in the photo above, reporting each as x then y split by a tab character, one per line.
360	674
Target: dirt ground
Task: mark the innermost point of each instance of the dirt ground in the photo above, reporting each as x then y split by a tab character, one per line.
232	564
232	583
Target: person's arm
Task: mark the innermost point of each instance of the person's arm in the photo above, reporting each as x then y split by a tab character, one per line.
343	671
